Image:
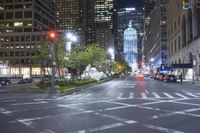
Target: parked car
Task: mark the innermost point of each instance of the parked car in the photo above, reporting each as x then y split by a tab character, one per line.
4	81
170	78
26	81
161	76
156	76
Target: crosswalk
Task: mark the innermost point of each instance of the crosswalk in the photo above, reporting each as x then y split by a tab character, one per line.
154	95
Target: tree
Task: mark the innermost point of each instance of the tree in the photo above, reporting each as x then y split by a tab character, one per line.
121	66
81	56
43	59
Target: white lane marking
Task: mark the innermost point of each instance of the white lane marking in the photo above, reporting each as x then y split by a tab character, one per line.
190	94
116	108
162	129
131	95
119	124
146	91
192	110
41	102
120	95
130	122
198	93
88	95
82	131
144	96
156	95
180	95
6	101
168	95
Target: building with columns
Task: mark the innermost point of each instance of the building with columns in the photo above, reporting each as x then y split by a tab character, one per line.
183	40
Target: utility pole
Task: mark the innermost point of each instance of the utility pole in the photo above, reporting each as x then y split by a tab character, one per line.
52	37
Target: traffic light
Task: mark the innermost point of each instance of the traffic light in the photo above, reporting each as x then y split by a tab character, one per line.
52	35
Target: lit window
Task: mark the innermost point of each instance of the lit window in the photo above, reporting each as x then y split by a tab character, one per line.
18	24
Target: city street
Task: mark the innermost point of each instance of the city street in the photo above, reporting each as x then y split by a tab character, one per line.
118	106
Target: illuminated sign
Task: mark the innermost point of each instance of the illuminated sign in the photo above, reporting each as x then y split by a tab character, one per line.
130	9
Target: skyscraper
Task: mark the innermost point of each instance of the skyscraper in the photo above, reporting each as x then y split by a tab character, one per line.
77	16
156	36
104	22
130	47
123	16
23	25
148	7
104	11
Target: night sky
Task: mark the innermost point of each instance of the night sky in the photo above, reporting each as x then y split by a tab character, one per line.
129	3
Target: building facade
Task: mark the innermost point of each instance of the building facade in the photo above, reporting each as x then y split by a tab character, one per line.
23	25
130	47
124	16
155	41
77	17
183	41
104	12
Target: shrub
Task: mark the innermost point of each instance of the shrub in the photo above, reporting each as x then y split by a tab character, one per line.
43	84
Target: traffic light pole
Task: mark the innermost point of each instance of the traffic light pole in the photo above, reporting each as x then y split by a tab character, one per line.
53	71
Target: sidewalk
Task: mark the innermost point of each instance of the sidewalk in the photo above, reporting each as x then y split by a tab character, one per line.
190	82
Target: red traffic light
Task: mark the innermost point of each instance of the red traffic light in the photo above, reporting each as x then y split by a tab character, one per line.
52	35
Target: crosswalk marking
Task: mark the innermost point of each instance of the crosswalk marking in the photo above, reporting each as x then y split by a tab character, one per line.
143	95
156	95
131	96
190	94
120	95
146	92
168	95
180	95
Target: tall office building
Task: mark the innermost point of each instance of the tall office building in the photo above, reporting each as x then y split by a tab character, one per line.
104	22
104	11
155	42
77	16
148	7
23	25
123	17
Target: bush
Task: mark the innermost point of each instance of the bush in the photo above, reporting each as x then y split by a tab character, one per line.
66	83
43	84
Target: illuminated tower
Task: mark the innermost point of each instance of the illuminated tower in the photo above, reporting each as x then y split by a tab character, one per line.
130	47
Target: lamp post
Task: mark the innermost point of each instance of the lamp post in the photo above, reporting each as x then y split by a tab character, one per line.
111	52
151	65
70	39
52	36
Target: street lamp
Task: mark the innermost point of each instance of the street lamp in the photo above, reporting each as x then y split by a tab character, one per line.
70	39
52	36
111	52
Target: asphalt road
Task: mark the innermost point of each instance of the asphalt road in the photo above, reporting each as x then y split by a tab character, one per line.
119	106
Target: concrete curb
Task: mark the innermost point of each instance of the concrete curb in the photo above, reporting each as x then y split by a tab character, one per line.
80	88
66	92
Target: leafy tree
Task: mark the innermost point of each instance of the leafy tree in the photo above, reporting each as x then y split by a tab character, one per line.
44	55
81	56
121	67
